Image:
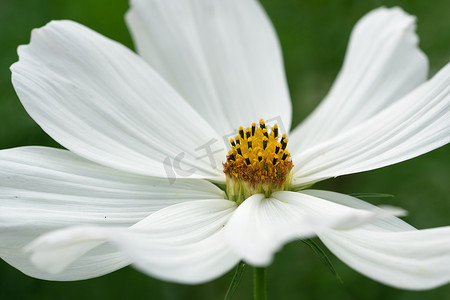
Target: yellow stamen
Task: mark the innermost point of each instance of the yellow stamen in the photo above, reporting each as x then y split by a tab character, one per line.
257	163
232	143
275	131
241	132
262	125
253	128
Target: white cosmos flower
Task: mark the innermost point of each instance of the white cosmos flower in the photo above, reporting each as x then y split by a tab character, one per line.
205	68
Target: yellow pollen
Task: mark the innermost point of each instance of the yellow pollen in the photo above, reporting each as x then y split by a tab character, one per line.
258	162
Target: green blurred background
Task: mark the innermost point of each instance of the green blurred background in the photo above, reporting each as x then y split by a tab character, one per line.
313	36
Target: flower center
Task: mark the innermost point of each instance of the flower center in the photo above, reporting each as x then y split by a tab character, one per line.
258	162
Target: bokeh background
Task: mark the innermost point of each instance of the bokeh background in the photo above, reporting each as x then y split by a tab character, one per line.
313	36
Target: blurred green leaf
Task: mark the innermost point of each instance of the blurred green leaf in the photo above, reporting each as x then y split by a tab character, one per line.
236	280
323	257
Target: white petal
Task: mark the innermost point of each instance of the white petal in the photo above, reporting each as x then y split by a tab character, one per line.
98	262
43	189
416	124
103	102
222	56
390	250
387	223
415	260
261	226
382	64
182	243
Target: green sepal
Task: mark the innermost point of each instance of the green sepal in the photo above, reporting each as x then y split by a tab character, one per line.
323	257
371	195
220	185
300	187
236	280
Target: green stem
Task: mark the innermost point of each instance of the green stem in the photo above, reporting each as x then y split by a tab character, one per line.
259	284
